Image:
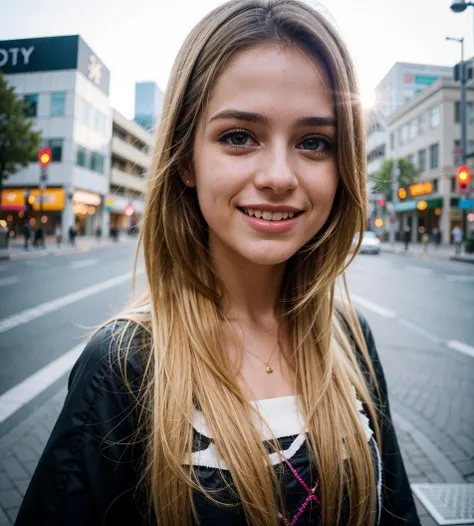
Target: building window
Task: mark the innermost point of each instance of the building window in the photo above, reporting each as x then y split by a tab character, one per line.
435	185
411	159
412	129
96	162
422	160
81	156
392	141
434	156
56	146
422	120
58	101
31	109
434	116
404	134
117	132
470	112
453	185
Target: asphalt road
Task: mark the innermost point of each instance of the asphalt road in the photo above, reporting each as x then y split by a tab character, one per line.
421	312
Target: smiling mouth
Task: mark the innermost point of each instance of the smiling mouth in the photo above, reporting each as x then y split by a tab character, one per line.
269	216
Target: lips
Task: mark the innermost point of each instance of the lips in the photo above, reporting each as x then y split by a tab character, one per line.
270	212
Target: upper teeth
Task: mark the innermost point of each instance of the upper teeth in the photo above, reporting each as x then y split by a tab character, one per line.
269	216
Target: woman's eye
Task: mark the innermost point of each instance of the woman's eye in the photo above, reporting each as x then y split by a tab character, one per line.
315	144
236	138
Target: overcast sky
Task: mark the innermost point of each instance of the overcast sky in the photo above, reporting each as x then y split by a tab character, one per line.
138	39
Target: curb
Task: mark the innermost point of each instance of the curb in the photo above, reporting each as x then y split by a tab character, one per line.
436	456
427	255
59	252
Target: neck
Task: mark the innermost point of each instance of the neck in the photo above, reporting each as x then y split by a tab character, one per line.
250	290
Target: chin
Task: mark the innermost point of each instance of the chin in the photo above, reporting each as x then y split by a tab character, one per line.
267	255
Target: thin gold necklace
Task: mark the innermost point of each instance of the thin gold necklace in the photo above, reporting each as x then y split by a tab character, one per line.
268	369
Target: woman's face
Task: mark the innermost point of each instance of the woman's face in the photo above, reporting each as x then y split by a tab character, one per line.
264	155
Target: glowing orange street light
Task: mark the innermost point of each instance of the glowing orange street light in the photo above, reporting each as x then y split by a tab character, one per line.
422	205
402	193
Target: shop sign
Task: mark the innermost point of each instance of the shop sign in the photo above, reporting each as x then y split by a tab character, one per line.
14	199
466	204
421	188
86	198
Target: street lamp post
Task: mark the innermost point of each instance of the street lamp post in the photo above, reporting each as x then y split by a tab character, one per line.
459	6
463	105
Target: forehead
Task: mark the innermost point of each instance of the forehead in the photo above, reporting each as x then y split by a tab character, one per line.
272	79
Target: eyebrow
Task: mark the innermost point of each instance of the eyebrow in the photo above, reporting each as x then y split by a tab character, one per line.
257	118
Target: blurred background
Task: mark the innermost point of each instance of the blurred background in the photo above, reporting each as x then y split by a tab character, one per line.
83	84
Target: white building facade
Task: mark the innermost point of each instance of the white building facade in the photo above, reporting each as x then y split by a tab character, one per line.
404	82
131	152
426	132
67	88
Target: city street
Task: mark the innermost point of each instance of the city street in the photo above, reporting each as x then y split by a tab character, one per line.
421	314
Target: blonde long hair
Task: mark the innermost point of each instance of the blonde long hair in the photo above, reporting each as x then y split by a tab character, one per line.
187	365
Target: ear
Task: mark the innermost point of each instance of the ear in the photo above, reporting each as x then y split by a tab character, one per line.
187	176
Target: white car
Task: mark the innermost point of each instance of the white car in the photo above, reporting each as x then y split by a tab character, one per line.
370	243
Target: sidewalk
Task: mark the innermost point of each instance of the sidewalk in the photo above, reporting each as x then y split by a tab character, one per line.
445	251
16	248
21	447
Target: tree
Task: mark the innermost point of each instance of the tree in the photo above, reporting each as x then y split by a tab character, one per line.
18	142
383	178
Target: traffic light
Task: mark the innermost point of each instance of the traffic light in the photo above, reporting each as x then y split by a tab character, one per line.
463	178
44	157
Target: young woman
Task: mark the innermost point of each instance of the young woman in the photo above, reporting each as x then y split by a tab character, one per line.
237	392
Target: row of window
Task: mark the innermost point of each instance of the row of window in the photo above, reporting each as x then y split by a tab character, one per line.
417	126
420	162
88	159
470	112
57	107
92	117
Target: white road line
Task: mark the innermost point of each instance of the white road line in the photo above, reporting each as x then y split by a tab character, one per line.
25	391
8	281
83	263
461	347
419	330
462	279
420	270
372	306
50	306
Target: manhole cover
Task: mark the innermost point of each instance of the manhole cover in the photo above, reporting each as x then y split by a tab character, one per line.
447	503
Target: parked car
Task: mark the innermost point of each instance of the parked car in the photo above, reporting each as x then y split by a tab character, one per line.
370	243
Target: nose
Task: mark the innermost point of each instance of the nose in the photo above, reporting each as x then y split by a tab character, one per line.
276	172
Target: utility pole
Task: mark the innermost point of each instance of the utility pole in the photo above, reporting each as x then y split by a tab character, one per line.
393	215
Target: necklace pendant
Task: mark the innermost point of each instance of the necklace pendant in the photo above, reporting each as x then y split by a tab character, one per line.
269	369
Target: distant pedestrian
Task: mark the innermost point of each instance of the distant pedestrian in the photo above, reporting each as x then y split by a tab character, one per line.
27	234
72	232
39	238
59	235
436	236
406	236
457	234
98	232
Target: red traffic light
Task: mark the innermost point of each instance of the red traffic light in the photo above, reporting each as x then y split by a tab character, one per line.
463	178
44	157
381	202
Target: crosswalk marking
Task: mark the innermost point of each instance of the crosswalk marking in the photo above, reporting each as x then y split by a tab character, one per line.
462	279
83	263
461	347
378	309
8	281
420	270
15	320
35	384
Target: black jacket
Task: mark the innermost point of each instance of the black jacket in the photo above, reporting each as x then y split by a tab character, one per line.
89	472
